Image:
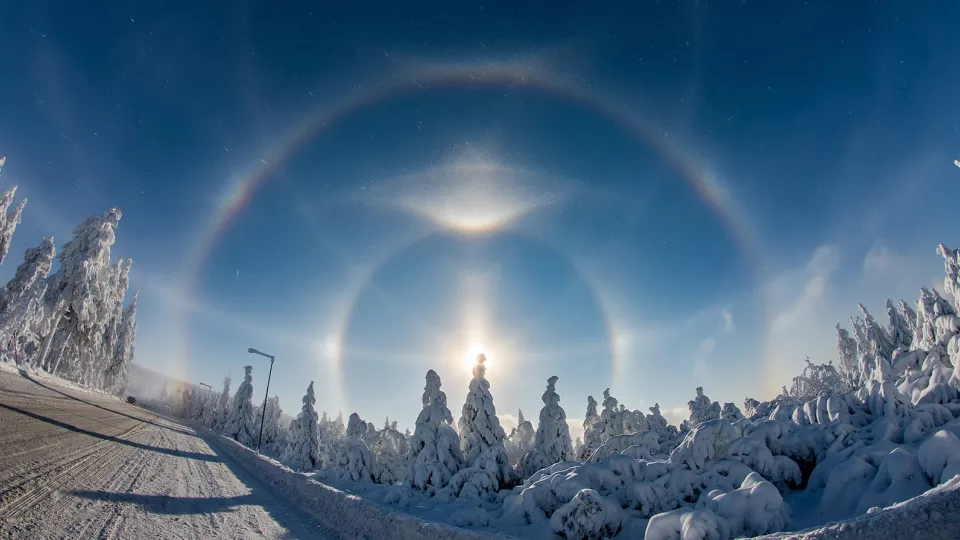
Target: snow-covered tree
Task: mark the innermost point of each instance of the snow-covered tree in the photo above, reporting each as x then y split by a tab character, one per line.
611	418
21	298
303	450
849	363
592	431
730	412
353	461
240	426
75	299
702	409
815	380
223	407
525	433
488	466
909	315
552	444
115	376
390	452
875	334
435	454
271	425
9	220
900	329
951	268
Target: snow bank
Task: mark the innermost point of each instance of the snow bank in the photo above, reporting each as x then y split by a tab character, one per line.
932	515
348	515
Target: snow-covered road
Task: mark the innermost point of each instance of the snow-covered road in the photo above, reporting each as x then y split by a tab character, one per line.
78	465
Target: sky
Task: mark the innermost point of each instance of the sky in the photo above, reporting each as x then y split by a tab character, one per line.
645	196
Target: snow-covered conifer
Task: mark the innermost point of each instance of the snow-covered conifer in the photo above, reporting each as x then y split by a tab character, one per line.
271	424
899	329
353	461
481	437
303	451
702	409
909	315
730	412
223	407
849	363
876	334
435	454
9	220
74	299
552	444
21	298
592	431
115	376
951	269
611	418
240	426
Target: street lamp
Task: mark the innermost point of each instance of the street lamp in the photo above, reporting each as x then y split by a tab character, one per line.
263	414
207	385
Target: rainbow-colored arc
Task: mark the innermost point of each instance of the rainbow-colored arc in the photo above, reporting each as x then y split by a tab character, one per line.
240	189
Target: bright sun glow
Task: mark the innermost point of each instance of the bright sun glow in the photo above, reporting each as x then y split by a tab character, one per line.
469	358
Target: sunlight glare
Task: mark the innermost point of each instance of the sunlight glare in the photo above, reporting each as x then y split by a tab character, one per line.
469	358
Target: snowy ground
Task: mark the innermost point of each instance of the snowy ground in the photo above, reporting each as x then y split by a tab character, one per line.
81	465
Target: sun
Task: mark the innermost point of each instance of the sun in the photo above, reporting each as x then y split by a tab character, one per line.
469	358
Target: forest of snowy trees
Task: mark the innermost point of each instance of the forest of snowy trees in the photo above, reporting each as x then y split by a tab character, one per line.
877	427
70	322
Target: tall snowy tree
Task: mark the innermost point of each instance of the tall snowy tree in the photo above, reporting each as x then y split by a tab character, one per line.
849	364
910	315
75	296
875	334
271	425
611	418
353	460
240	426
21	298
702	409
9	220
552	444
951	268
304	438
481	437
223	407
115	376
435	454
899	329
592	431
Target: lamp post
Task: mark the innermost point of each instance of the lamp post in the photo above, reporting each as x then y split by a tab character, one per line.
207	385
263	414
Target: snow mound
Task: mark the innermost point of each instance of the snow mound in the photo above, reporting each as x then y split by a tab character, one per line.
588	516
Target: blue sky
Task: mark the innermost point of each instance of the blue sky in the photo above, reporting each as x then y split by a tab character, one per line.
578	140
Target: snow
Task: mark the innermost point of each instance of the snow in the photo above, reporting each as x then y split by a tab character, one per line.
240	426
552	444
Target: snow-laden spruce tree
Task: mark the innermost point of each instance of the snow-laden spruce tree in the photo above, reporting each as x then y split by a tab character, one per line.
353	460
115	376
74	298
222	414
611	417
849	367
240	426
701	410
876	334
9	220
271	426
481	439
909	315
303	451
592	431
520	440
552	443
21	298
899	329
951	269
390	451
435	454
